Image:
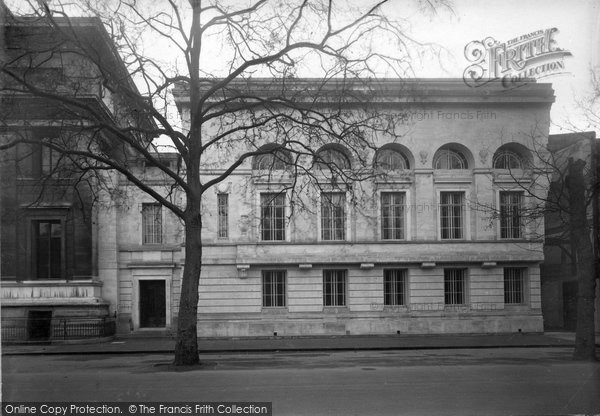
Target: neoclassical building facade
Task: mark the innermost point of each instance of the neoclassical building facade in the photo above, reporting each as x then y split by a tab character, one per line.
434	240
51	261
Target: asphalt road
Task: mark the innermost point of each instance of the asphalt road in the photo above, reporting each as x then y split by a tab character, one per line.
527	381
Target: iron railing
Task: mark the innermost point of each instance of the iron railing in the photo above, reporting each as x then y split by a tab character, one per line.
56	328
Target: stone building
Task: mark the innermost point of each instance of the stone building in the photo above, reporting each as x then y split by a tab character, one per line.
51	260
436	244
429	238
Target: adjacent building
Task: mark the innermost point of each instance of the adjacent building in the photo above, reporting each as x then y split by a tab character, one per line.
559	270
52	285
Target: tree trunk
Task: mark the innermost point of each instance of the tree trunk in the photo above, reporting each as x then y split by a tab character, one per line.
585	336
186	346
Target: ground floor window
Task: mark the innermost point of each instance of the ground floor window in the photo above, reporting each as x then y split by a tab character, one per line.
334	287
455	286
513	285
273	288
394	287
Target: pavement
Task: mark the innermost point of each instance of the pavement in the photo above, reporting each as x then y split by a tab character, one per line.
143	344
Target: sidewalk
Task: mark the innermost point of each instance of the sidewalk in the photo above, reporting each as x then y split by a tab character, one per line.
165	344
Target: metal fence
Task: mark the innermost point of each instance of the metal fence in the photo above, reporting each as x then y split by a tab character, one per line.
32	329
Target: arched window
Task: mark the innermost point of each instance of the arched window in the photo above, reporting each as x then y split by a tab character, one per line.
332	158
270	161
277	159
390	159
506	159
450	159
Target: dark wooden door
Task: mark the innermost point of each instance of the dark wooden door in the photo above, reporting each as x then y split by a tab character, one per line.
39	325
152	304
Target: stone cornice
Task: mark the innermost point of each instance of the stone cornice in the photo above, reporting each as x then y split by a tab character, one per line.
373	91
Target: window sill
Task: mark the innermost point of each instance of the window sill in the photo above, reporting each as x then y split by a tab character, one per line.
271	177
274	310
333	241
150	247
54	282
460	308
516	307
394	177
395	308
36	181
335	309
457	176
511	176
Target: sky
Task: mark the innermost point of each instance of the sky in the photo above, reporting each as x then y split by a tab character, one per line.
451	29
577	21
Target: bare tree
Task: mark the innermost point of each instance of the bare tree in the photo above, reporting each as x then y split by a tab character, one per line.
567	168
580	238
343	48
574	198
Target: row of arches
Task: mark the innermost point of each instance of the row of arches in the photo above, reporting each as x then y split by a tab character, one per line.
396	157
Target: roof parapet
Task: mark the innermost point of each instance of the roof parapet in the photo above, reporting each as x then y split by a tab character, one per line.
370	90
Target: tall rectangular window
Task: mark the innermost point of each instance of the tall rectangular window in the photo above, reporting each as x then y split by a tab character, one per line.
455	286
511	214
513	285
50	160
334	287
28	160
333	216
392	215
151	224
452	215
272	217
394	287
273	288
47	245
36	161
223	215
